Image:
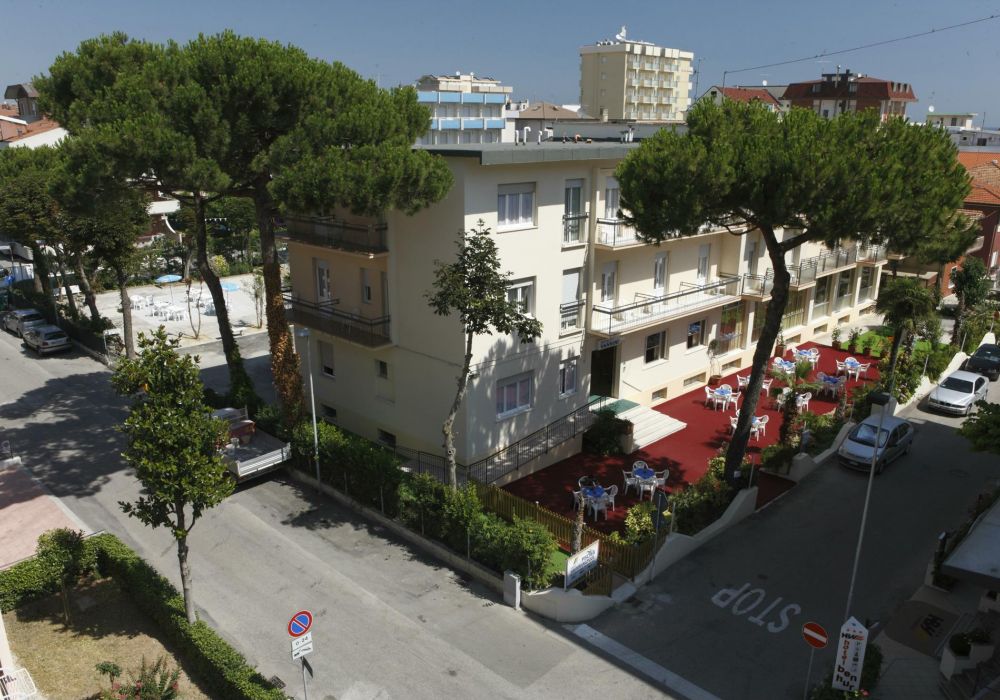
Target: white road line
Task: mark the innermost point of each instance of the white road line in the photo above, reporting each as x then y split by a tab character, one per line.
640	663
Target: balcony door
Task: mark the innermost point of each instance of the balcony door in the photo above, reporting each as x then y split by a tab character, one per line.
609	273
322	281
612	199
573	211
704	255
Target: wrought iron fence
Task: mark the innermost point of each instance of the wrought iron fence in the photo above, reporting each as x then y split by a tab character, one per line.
574	228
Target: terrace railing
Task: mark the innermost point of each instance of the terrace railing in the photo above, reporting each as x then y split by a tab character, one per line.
648	309
574	229
335	233
372	332
615	233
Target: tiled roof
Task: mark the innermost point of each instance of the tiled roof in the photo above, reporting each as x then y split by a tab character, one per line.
868	89
973	214
14	132
985	180
971	159
739	94
547	110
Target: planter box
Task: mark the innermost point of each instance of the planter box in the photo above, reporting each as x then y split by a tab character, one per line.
952	665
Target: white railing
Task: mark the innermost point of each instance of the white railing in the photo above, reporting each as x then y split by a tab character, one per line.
614	233
17	684
649	309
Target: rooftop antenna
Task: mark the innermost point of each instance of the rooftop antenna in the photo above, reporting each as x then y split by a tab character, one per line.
697	74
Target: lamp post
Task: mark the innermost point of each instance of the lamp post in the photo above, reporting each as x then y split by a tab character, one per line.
304	334
879	399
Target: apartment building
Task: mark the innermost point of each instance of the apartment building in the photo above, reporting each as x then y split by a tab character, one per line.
845	91
759	95
629	79
620	318
465	109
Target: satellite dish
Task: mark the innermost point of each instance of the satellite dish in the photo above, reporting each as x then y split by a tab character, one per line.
620	36
931	109
764	83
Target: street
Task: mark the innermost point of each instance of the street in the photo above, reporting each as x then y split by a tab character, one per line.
389	622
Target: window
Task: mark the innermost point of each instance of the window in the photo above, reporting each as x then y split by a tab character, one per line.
656	345
329	413
573	211
612	198
608	273
326	358
386	438
730	335
516	205
521	293
696	334
750	256
704	253
567	376
853	87
382	369
366	286
514	394
569	315
660	273
322	280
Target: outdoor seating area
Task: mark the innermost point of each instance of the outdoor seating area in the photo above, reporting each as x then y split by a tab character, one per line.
682	458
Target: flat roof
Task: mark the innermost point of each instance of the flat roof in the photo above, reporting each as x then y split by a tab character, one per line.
546	152
976	559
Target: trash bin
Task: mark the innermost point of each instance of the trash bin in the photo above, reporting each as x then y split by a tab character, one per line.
512	589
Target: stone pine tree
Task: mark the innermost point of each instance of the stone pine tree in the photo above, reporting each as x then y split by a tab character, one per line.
971	285
473	287
795	178
904	304
173	445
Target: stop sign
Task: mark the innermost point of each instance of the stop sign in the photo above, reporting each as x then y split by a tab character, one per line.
815	635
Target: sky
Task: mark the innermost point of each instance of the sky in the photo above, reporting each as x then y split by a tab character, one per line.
534	47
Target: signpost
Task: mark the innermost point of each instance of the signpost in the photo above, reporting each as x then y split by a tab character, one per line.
850	656
816	637
302	643
580	563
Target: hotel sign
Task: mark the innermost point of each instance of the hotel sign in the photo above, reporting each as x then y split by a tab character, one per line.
609	342
580	563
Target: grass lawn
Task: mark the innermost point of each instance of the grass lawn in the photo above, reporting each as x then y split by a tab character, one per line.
104	626
883	334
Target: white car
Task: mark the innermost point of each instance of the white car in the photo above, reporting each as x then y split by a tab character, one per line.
958	393
20	320
858	448
45	339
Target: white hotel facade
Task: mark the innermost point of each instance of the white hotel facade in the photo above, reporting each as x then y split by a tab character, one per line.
620	318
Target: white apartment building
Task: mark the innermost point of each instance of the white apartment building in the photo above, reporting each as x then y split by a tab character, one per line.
629	79
620	318
465	109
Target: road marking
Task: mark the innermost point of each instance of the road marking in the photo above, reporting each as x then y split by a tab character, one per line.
640	663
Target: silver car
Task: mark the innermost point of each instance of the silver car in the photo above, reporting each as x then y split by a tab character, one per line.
858	448
20	320
45	339
958	393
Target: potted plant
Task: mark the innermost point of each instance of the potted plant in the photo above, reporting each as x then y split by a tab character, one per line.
875	349
779	344
835	337
852	340
714	373
980	645
955	658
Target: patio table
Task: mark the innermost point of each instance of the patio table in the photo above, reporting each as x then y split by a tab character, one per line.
593	492
786	365
644	473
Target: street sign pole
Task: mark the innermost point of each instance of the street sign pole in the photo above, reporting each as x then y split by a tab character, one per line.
305	686
809	672
816	637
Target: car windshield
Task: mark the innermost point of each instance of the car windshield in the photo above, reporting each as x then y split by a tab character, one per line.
961	385
865	434
988	353
55	336
31	317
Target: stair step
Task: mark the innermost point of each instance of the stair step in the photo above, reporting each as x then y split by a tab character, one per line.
949	690
965	683
650	426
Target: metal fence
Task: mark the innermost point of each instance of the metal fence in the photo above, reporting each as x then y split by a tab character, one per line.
648	309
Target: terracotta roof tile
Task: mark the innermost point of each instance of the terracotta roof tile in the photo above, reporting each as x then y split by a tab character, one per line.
739	94
10	132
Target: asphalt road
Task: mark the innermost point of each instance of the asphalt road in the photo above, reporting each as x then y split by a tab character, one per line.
390	622
728	617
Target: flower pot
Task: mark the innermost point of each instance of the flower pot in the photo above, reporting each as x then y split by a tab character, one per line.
779	351
835	344
952	665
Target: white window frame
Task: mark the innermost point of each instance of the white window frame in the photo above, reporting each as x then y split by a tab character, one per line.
659	347
567	323
702	330
322	275
516	206
571	186
568	374
704	262
520	400
660	263
609	273
750	255
612	199
523	293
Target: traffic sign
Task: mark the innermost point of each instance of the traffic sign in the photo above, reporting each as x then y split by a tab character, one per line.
815	635
300	623
301	646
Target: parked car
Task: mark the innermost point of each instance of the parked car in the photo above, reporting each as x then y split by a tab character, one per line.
894	440
958	393
985	360
46	338
20	320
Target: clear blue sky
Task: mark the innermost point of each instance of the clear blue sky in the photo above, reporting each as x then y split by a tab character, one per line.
534	46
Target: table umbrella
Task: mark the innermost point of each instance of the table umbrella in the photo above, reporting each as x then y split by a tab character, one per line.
167	279
229	287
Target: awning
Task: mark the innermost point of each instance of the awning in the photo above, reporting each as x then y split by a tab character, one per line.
976	559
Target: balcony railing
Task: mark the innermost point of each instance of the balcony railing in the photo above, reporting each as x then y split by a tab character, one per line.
872	253
809	269
371	332
615	233
571	316
821	309
758	285
648	309
793	318
727	342
334	233
841	303
574	228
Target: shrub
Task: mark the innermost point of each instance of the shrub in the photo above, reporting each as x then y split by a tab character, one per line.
640	523
268	419
421	505
778	457
960	644
701	503
460	509
24	582
219	265
603	437
529	547
870	672
938	359
156	682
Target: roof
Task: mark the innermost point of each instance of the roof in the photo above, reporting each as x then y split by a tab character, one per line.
868	89
985	178
547	110
971	159
741	94
976	559
10	132
971	214
18	91
545	152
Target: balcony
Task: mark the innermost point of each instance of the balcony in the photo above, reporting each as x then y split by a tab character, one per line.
872	254
821	309
571	316
333	233
648	310
615	233
805	273
370	332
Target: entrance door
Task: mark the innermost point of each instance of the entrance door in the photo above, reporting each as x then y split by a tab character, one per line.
602	371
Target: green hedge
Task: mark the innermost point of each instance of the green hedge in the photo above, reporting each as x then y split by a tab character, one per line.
218	667
25	582
703	502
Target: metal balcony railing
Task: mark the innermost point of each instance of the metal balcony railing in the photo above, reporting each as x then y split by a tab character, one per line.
371	332
806	271
872	253
821	309
571	315
334	233
648	309
841	303
574	228
615	232
727	342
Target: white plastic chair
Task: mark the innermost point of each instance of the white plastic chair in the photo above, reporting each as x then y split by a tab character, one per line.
709	397
802	401
609	495
762	424
863	369
732	423
765	385
734	399
841	367
577	500
599	505
631	480
661	478
742	382
647	485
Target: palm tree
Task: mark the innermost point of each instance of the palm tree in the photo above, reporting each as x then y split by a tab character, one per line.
904	303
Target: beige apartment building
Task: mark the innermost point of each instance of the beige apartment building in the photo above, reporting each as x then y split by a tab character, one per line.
620	318
628	79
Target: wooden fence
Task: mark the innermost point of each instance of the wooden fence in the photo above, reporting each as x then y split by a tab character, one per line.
625	559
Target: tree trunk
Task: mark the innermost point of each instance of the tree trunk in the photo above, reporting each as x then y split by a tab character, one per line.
239	381
449	422
284	361
762	354
88	292
897	340
577	544
182	559
61	263
122	280
42	282
956	329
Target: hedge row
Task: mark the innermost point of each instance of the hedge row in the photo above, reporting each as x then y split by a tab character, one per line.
216	665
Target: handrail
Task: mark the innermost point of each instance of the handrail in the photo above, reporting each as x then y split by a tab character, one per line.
641	313
322	316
